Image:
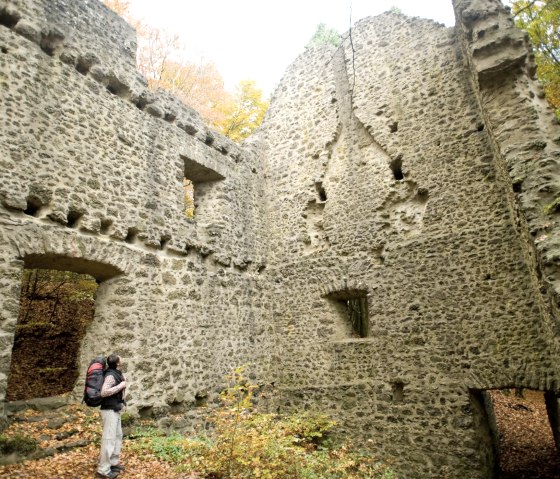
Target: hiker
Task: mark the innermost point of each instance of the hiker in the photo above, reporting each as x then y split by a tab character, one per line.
112	406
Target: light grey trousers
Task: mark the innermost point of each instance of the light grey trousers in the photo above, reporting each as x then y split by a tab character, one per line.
111	441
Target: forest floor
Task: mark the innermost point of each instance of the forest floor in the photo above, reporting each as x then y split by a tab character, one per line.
70	436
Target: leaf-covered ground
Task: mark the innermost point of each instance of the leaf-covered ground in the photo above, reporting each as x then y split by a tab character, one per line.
64	431
72	434
527	446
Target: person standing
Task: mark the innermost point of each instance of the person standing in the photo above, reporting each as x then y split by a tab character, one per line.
112	406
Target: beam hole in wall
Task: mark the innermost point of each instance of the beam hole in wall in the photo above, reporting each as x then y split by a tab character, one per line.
146	412
396	168
170	116
393	127
516	186
164	241
73	217
3	49
118	88
141	102
105	227
84	64
50	42
33	206
352	306
56	308
397	392
9	18
131	235
518	432
200	399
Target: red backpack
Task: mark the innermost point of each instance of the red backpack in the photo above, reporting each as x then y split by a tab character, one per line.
94	381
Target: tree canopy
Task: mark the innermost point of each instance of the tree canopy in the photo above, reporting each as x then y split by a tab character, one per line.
324	36
162	59
244	112
541	20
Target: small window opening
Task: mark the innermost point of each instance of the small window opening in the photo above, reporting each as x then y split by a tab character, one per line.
73	218
396	168
354	308
9	18
397	392
56	308
189	198
480	126
516	187
3	49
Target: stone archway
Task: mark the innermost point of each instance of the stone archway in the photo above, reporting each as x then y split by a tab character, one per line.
53	341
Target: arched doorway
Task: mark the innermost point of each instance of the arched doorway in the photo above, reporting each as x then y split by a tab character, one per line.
57	304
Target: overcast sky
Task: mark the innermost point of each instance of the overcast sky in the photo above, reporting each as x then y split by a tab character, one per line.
258	39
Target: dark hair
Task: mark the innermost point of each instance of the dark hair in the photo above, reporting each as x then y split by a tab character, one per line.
112	361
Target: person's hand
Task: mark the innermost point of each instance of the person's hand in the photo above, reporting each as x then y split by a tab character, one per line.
123	383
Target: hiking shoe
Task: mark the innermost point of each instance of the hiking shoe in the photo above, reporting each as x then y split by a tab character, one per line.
117	468
111	475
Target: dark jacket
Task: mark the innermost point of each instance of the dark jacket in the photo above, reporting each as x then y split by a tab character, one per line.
116	401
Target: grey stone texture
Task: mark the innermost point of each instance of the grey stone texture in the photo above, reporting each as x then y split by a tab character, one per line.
416	166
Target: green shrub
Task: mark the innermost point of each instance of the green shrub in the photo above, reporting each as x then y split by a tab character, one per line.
245	443
18	444
127	419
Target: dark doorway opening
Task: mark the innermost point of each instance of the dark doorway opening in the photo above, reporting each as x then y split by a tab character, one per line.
523	422
56	308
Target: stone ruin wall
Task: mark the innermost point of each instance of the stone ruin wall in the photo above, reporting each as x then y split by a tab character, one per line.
92	167
413	165
452	300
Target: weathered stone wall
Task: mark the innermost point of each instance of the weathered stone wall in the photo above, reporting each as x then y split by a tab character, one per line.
412	166
389	183
92	165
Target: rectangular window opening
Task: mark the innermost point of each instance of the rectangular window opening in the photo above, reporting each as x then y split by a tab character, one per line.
352	307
